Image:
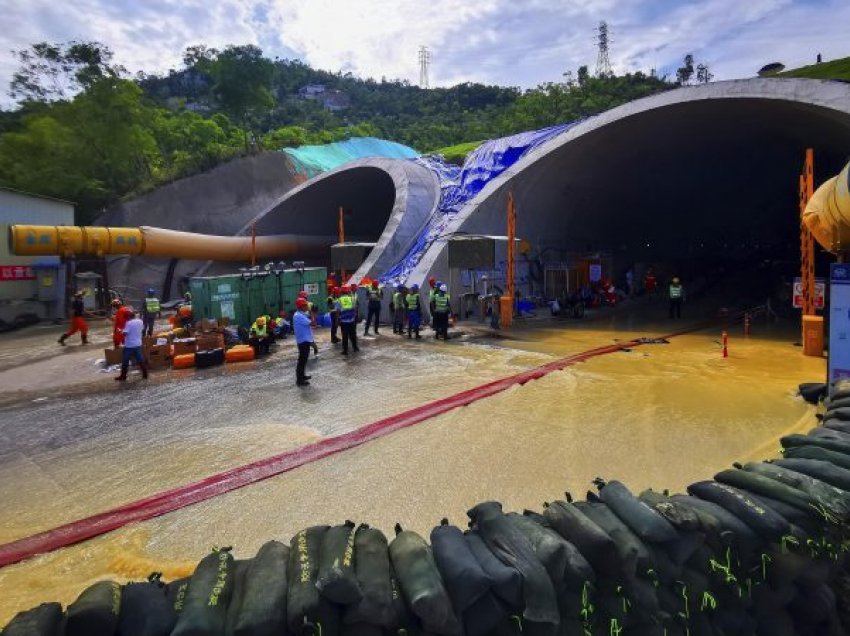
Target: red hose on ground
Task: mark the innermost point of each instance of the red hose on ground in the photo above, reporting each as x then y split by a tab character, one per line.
183	496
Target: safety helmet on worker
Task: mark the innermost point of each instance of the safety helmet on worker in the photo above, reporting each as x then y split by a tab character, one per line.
345	289
151	291
261	320
353	287
335	291
676	280
414	287
443	288
302	303
432	281
374	284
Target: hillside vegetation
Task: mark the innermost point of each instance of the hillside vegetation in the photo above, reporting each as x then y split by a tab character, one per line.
832	70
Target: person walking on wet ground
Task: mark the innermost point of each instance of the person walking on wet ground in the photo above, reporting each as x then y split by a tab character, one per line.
414	312
151	312
302	323
132	346
677	297
78	321
347	319
650	283
375	295
334	314
442	307
399	310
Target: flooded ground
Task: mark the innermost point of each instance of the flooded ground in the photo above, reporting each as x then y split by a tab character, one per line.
661	415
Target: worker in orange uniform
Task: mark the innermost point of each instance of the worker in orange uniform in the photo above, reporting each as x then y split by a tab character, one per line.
119	321
78	321
650	283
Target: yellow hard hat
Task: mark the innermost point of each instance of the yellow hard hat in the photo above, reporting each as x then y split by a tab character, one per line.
676	280
261	320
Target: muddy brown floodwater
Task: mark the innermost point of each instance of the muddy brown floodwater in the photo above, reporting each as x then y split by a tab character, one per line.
661	415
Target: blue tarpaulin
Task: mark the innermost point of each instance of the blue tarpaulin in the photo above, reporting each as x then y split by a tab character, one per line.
312	160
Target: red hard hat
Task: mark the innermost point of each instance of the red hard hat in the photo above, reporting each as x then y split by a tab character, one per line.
353	286
345	289
335	290
432	281
301	303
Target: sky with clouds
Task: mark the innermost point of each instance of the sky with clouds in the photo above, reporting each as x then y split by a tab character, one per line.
507	42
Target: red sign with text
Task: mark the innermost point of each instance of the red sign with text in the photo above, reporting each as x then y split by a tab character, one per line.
16	272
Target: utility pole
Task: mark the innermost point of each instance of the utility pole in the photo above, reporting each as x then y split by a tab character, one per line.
424	65
603	63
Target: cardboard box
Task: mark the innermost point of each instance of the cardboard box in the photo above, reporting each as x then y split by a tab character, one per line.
113	356
206	342
184	346
158	357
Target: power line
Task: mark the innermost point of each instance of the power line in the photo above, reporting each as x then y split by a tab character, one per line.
424	65
603	63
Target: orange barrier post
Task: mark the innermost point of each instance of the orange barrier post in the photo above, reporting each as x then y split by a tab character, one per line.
725	336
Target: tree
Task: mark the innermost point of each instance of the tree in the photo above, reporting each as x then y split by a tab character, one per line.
686	71
58	71
583	75
704	75
200	57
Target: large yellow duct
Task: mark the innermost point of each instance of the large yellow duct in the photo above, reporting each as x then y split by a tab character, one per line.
827	214
42	240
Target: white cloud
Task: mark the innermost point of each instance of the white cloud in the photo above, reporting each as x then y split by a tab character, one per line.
493	41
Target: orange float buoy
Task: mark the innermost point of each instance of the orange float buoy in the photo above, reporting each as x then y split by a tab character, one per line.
239	353
184	361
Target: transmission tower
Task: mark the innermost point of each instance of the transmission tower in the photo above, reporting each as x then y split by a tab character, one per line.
424	64
603	64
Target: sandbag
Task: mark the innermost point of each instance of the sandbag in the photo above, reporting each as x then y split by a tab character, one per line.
372	568
239	353
836	403
361	629
809	521
680	517
813	392
405	621
336	579
831	430
633	555
259	607
790	441
835	499
760	485
209	358
839	413
506	580
643	520
176	592
562	560
210	588
513	548
813	606
816	452
464	578
240	567
840	426
591	540
731	527
183	361
421	584
146	610
764	521
483	616
44	620
96	611
308	613
825	471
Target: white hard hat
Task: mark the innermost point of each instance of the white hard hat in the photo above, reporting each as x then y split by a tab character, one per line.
443	288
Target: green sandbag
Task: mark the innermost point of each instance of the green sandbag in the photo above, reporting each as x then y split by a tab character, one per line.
764	521
421	584
563	562
176	592
834	499
816	452
240	567
841	413
405	621
259	606
372	567
645	522
836	403
146	610
308	613
761	485
790	441
210	588
96	611
634	557
44	620
337	580
507	581
681	517
839	426
591	540
513	548
825	471
732	529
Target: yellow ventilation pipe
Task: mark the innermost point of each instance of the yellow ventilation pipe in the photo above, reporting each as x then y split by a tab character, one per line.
827	214
62	240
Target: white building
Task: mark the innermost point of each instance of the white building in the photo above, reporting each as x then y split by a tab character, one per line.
30	286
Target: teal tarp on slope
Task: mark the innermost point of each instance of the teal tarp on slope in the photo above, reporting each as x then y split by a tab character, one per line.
311	160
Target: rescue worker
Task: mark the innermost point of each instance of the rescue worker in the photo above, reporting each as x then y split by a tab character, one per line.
442	307
302	323
432	290
151	312
258	337
132	332
414	311
357	317
78	321
119	321
650	283
334	313
375	295
347	319
184	315
398	310
677	296
187	296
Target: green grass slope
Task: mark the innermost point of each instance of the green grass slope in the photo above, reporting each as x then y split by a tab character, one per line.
833	70
458	153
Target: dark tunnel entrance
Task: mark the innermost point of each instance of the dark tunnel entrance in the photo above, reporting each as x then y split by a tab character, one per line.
695	188
366	194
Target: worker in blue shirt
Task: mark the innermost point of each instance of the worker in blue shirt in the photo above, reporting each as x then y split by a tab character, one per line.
302	323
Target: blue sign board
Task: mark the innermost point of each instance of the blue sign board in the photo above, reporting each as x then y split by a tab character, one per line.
839	321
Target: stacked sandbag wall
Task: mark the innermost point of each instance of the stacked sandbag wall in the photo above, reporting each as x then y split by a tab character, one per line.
758	550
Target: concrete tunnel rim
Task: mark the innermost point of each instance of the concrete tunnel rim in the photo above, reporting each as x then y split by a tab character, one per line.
826	94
